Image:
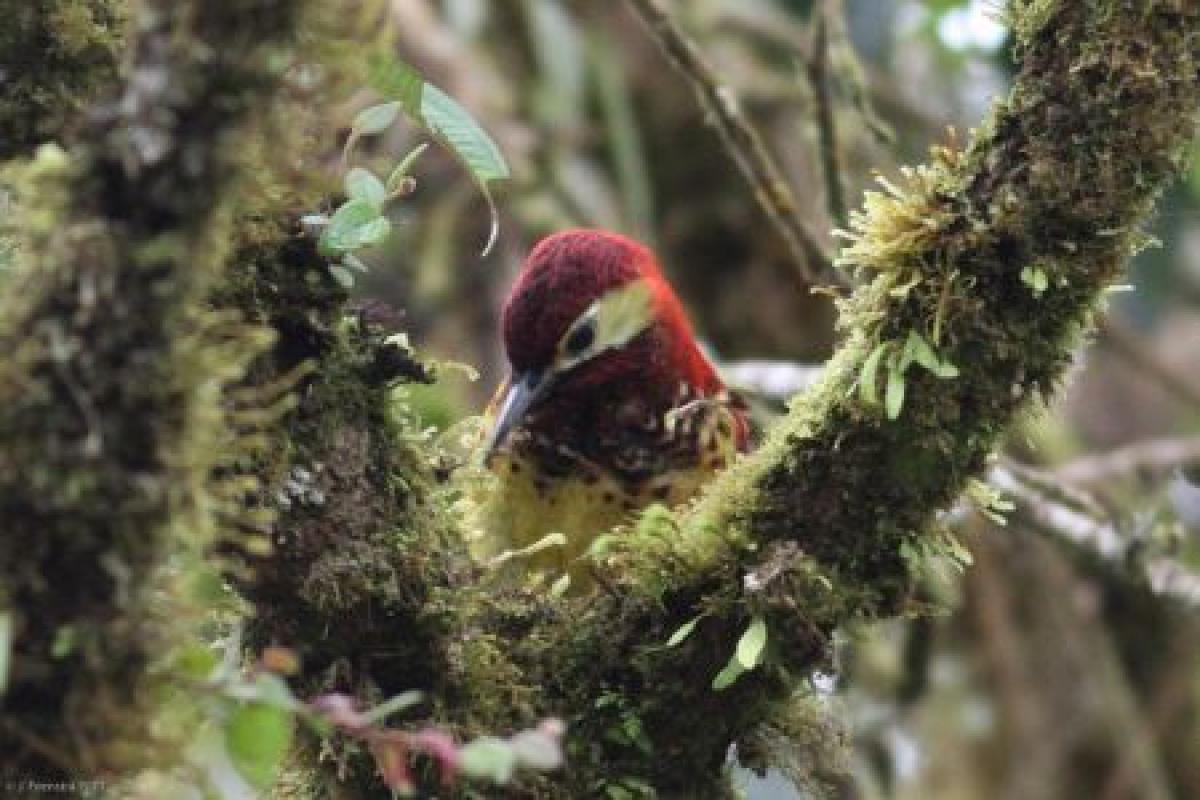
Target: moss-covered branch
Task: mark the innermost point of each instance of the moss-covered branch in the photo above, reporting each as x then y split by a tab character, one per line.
55	57
111	418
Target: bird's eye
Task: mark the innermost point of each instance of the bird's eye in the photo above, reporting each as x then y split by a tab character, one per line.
580	339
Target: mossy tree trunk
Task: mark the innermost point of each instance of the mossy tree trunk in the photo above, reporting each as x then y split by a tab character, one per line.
819	528
112	423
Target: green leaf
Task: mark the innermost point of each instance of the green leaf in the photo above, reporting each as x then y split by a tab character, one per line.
919	351
726	677
946	370
488	758
958	551
450	124
376	119
684	631
561	585
257	738
273	691
343	276
868	378
752	645
196	661
361	184
375	231
916	349
1036	279
894	396
355	225
65	639
370	121
5	648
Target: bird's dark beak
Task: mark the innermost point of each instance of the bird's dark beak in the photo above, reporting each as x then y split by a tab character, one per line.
524	389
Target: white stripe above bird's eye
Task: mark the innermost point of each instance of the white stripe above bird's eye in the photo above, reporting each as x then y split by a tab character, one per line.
609	323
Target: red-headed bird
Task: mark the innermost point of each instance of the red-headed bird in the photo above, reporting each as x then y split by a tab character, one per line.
609	406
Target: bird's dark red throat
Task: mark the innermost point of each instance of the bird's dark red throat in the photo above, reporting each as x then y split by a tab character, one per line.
601	354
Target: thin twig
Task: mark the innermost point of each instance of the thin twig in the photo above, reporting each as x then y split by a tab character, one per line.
827	136
744	145
1102	539
864	86
1156	456
1131	346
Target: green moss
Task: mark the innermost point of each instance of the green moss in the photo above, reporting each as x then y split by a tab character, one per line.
56	56
112	411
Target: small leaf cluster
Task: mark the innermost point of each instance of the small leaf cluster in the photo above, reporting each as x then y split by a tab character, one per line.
362	221
940	546
447	122
989	501
898	358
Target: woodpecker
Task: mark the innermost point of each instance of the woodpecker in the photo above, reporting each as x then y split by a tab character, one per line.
609	406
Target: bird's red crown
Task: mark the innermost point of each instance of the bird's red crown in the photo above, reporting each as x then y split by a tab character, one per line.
566	273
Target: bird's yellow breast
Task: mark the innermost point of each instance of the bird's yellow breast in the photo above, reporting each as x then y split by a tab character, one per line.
545	525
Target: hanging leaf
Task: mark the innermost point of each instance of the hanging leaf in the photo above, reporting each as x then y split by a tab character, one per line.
401	702
450	124
370	121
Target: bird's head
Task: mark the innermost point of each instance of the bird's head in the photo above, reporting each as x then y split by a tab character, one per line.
591	311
